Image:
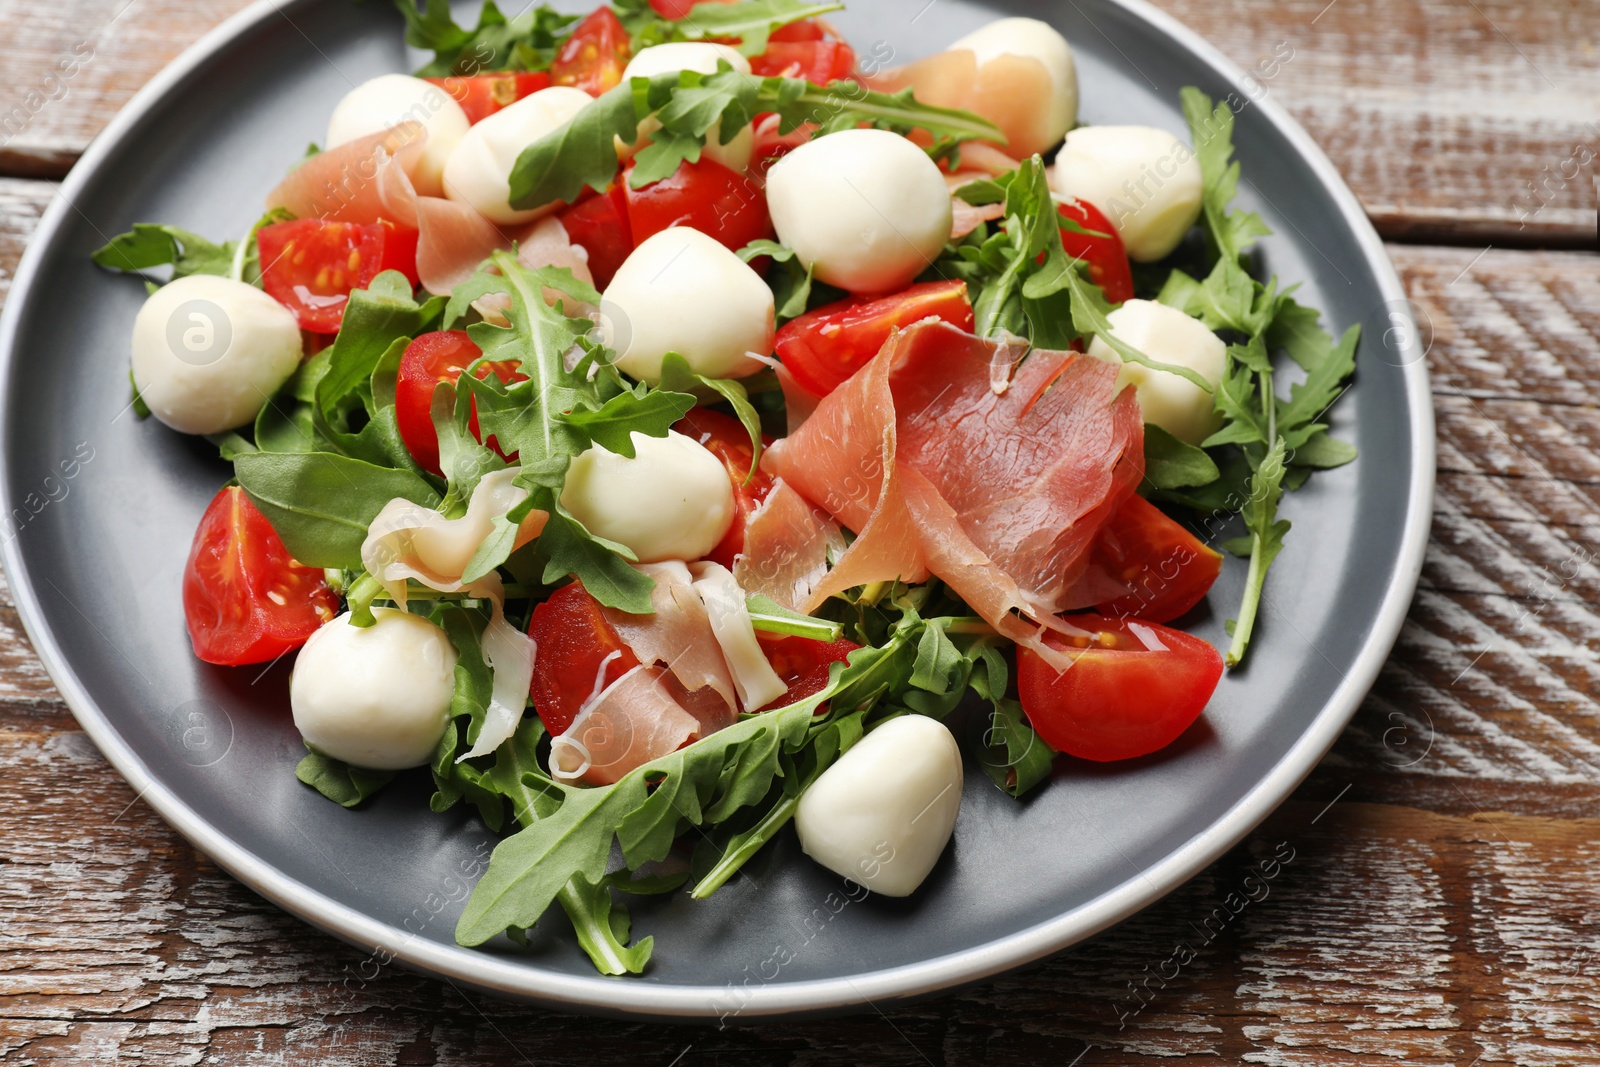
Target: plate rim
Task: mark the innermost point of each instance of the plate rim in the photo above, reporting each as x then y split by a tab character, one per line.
595	994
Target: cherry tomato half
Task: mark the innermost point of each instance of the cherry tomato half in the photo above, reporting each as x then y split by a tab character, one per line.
573	640
309	266
1131	689
1169	568
727	439
706	196
429	361
805	49
244	599
1107	259
803	664
600	226
595	55
825	346
481	95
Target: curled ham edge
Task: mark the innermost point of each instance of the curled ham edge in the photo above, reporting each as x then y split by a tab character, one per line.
389	556
365	180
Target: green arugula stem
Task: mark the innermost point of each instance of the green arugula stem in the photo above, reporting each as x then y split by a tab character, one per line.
1253	583
592	938
752	842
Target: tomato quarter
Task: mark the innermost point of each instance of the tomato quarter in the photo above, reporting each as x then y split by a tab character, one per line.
824	347
595	55
1169	568
727	439
481	95
805	49
1107	259
1131	689
310	266
244	599
705	196
600	226
803	664
570	662
430	360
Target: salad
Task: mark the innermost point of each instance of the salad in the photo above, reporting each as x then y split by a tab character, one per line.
661	424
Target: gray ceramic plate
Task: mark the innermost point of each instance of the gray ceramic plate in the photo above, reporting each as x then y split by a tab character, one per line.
94	561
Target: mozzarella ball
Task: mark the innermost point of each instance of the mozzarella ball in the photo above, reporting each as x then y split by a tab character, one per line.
682	291
375	696
1033	39
209	351
1145	180
866	209
673	500
479	171
1167	335
701	57
385	102
883	813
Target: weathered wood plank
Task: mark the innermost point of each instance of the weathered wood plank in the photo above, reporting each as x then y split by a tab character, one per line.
1453	121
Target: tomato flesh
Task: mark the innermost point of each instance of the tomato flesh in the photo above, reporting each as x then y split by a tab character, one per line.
573	640
803	664
1107	259
805	49
482	95
727	439
824	347
244	599
1132	688
428	362
595	55
705	196
600	226
310	266
1169	568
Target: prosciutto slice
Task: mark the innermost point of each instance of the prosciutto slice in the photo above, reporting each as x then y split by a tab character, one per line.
788	543
632	721
1006	90
999	492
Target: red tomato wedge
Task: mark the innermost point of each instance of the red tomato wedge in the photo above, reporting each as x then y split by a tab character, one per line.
310	266
825	346
803	664
595	55
481	95
805	49
600	226
573	640
428	361
1133	688
1169	568
1107	259
244	599
727	439
705	196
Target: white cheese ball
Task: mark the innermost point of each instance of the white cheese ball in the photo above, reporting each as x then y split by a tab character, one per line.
1167	335
673	500
866	209
385	102
1145	180
1033	39
882	815
479	171
209	351
701	57
682	291
375	697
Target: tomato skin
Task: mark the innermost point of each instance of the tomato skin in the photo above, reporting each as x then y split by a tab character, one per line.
428	362
825	346
727	439
803	664
573	639
1107	259
244	599
600	225
310	266
805	49
482	95
1118	700
595	55
705	196
1170	569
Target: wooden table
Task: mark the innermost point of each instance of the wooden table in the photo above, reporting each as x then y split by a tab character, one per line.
1443	901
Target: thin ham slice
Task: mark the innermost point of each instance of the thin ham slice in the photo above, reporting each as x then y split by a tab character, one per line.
999	494
632	721
1007	90
788	543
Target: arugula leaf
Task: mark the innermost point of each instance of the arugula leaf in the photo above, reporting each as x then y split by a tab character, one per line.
648	411
1015	758
750	23
677	374
769	616
1265	542
338	780
1173	464
1211	131
527	42
153	245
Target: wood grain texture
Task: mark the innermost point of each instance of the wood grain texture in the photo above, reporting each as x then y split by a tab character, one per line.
1453	120
1438	908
